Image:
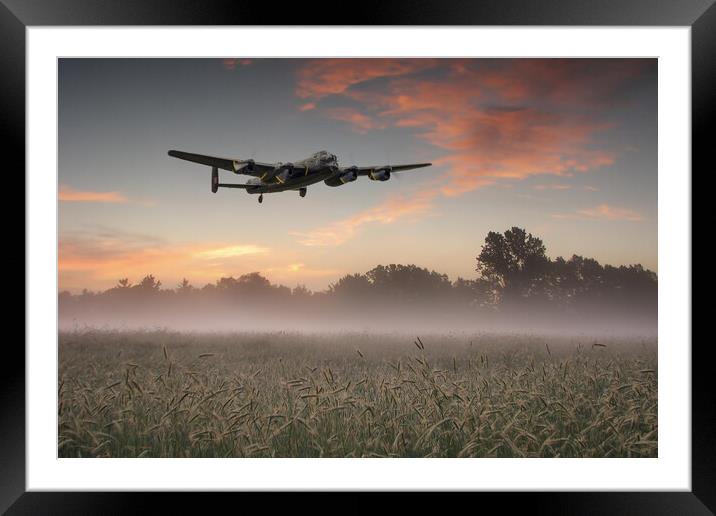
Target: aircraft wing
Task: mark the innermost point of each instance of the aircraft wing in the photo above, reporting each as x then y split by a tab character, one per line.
248	167
364	171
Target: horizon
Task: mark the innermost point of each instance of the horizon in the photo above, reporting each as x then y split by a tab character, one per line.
175	284
565	148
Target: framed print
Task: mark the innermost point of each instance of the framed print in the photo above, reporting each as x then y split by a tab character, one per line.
450	250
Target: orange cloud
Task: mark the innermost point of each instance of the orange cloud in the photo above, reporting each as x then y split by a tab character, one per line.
321	77
307	107
102	256
68	194
488	143
360	122
394	209
230	63
492	120
559	186
605	211
230	251
553	187
98	258
504	120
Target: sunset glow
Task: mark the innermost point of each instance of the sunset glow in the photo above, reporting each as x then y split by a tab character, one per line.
563	147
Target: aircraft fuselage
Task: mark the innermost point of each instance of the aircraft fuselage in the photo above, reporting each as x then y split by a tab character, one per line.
296	175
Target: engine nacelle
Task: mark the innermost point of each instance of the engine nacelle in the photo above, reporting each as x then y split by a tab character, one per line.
380	174
242	167
285	172
349	175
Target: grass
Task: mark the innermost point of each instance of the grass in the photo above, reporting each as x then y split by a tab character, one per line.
163	394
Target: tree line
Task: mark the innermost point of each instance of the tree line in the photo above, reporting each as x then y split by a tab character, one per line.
513	275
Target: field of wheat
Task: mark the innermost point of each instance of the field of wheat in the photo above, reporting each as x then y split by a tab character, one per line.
164	394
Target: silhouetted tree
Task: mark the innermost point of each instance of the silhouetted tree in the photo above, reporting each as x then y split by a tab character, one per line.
300	291
149	284
472	293
227	284
576	279
351	286
514	264
408	282
253	282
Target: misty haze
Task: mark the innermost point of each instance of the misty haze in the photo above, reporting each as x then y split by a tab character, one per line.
519	289
338	374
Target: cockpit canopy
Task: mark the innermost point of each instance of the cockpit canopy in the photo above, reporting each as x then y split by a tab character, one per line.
325	156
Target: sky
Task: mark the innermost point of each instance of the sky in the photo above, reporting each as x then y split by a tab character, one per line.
565	148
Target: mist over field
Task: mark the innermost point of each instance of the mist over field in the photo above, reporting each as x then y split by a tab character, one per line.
519	289
315	318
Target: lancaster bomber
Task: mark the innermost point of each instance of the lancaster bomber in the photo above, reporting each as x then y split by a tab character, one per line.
279	177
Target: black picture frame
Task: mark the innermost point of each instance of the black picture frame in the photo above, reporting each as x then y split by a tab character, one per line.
17	15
